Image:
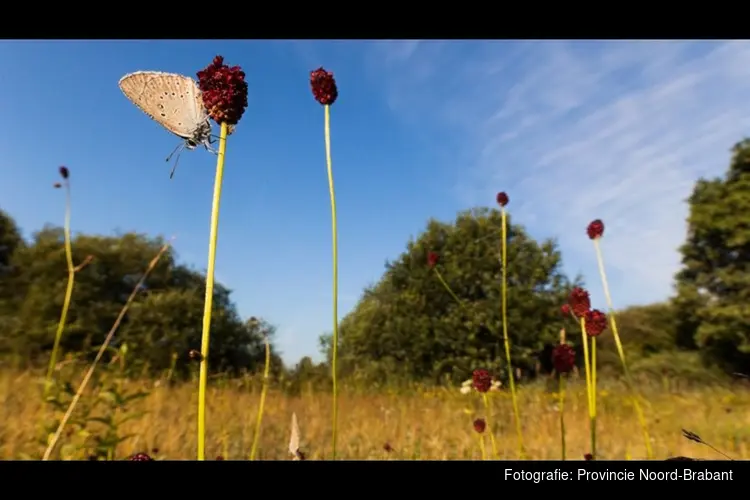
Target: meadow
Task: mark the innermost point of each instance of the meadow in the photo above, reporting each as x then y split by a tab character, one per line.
405	424
98	410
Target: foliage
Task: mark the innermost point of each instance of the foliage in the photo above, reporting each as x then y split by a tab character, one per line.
407	325
161	326
713	285
94	431
647	330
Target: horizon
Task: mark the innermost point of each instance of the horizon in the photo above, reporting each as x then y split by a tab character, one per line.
572	131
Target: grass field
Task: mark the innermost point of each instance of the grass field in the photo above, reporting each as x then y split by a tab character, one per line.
418	424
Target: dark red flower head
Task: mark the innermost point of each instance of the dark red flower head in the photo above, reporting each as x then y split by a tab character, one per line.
579	301
224	91
481	380
324	87
387	447
219	457
432	259
502	198
64	172
563	358
596	323
595	229
565	309
588	456
480	425
141	457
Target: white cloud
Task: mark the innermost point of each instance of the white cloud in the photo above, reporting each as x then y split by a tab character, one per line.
582	130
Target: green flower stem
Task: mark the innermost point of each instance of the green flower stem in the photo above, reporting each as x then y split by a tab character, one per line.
620	351
68	292
511	378
593	396
261	405
440	277
561	393
482	448
587	364
207	309
334	360
486	401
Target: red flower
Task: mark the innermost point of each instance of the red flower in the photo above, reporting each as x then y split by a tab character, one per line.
579	301
141	457
588	456
480	425
563	358
565	310
432	259
224	91
481	380
323	86
64	172
502	198
596	323
219	457
595	229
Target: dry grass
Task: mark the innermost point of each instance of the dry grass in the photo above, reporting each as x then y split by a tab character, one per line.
422	424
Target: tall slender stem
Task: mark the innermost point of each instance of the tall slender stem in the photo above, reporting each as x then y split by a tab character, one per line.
334	360
587	364
511	379
68	291
208	305
561	390
263	392
621	352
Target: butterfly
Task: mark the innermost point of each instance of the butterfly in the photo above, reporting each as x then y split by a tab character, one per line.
175	102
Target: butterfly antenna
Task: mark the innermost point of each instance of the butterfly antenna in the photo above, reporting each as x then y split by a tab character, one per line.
177	150
174	167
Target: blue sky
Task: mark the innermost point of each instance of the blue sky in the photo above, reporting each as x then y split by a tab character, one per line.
571	130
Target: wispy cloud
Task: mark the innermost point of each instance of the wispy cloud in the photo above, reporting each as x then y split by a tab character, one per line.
581	130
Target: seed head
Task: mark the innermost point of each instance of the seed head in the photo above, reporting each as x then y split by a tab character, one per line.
64	172
596	323
481	380
324	87
579	301
595	229
480	425
141	457
432	259
195	355
502	198
57	185
563	358
224	91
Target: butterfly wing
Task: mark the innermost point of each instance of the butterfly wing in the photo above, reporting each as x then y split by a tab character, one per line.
174	101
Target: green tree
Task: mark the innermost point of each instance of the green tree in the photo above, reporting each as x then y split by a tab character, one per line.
409	326
713	287
165	320
646	330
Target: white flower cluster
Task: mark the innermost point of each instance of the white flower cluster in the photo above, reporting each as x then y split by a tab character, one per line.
468	386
